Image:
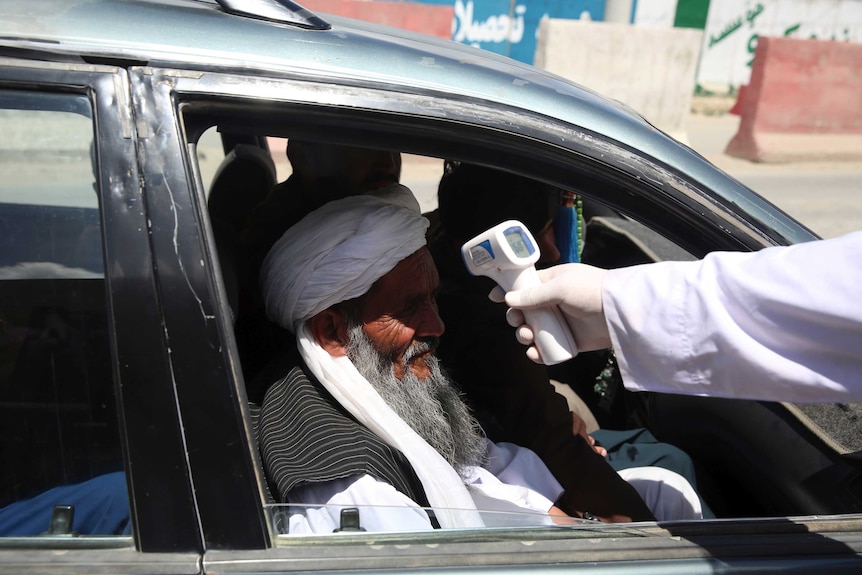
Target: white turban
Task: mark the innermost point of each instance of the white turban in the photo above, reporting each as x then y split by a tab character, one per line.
338	251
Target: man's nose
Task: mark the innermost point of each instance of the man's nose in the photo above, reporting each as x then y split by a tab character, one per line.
430	322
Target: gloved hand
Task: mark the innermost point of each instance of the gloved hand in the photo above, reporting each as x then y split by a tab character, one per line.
577	290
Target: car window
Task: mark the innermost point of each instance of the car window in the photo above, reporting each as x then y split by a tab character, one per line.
58	417
236	220
629	218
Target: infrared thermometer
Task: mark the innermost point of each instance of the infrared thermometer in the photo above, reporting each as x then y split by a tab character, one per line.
507	253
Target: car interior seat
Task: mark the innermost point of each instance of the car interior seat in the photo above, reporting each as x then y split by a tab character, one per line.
242	181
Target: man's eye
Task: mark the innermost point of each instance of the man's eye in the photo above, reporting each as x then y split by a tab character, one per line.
416	308
408	311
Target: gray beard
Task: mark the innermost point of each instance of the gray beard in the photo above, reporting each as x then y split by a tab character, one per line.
432	407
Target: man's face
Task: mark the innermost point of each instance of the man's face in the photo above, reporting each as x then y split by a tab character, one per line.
400	316
392	343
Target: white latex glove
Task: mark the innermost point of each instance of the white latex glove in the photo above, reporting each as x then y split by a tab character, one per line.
577	290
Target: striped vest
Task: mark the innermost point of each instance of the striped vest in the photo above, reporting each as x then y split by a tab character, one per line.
305	436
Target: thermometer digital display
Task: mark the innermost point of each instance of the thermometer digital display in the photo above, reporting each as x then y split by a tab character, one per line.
515	237
507	253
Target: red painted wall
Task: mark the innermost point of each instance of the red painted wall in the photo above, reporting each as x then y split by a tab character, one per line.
423	18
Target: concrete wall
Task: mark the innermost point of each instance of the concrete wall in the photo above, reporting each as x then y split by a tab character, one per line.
732	27
650	69
619	11
804	102
655	13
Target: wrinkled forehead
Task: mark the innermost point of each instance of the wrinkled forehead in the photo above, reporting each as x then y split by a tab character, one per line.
414	276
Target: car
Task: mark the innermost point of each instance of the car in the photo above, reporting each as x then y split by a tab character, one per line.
118	347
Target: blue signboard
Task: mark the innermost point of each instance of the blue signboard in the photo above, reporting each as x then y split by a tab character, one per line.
509	27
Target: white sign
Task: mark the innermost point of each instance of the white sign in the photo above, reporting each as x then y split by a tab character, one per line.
733	26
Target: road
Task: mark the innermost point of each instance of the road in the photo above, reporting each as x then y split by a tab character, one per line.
825	196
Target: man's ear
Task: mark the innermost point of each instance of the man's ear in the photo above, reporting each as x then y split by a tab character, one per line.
329	329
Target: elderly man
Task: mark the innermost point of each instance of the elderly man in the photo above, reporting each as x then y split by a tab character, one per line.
370	419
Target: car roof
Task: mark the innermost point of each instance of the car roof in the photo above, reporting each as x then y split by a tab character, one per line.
200	34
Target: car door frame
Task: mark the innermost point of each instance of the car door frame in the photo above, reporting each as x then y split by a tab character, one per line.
163	510
210	391
347	108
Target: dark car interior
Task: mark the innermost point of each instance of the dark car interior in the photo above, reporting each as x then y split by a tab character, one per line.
59	416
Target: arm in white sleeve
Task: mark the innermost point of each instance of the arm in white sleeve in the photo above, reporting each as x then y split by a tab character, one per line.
513	465
381	506
781	324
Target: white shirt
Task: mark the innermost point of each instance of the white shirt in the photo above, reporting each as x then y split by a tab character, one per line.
513	480
780	324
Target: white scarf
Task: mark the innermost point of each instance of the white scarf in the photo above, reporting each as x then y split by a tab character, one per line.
443	487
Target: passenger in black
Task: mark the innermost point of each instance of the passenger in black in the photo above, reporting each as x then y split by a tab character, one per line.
511	395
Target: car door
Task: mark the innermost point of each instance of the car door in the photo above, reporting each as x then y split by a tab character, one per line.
88	393
240	525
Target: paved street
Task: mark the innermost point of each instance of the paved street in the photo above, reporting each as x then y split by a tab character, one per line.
825	196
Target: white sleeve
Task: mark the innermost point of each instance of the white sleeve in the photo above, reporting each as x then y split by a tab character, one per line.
668	494
381	506
780	324
515	465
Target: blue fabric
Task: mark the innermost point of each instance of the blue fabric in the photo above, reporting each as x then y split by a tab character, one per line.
566	234
639	448
101	508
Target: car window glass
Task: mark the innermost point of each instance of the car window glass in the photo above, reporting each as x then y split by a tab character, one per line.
58	421
309	519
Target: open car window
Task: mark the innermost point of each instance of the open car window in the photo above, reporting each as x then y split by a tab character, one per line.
638	211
